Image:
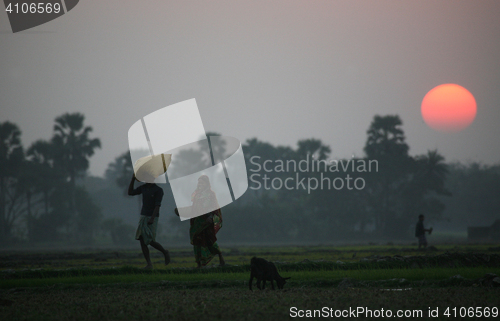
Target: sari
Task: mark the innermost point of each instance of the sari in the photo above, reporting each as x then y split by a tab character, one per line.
203	228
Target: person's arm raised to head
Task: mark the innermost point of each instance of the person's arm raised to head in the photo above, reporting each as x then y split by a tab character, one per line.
131	190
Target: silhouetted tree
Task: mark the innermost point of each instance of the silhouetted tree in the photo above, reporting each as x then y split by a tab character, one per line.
72	145
25	188
432	172
120	232
72	149
425	184
42	179
89	216
314	147
120	171
11	158
476	195
386	144
404	186
41	155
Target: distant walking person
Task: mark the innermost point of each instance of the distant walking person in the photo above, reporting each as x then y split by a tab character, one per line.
203	228
152	196
420	232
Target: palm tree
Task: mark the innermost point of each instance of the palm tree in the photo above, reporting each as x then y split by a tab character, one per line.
385	137
72	150
386	144
432	172
72	145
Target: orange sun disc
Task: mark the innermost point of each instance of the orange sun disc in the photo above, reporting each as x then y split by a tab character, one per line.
448	108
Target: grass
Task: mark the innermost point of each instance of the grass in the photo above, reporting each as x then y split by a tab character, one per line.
147	303
108	285
299	278
301	273
183	257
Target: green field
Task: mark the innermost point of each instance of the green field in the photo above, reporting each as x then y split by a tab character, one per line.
110	285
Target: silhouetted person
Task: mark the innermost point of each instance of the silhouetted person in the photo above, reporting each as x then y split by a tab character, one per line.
152	196
420	232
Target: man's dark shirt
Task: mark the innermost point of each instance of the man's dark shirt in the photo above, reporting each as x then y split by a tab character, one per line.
152	195
420	229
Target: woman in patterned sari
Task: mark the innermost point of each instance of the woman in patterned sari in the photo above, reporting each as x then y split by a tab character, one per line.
204	227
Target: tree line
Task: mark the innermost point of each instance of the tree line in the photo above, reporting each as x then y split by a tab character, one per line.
392	196
40	198
47	197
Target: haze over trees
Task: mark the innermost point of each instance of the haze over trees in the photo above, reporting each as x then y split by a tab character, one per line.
40	197
296	194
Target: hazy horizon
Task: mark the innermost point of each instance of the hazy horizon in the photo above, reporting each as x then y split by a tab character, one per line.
279	71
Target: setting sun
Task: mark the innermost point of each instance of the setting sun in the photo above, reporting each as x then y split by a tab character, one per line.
448	108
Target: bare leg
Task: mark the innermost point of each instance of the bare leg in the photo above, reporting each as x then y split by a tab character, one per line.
217	251
145	252
197	255
160	248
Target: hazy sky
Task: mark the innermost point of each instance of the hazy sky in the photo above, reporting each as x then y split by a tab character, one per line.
276	70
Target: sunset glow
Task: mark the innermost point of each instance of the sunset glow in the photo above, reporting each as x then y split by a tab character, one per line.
449	108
